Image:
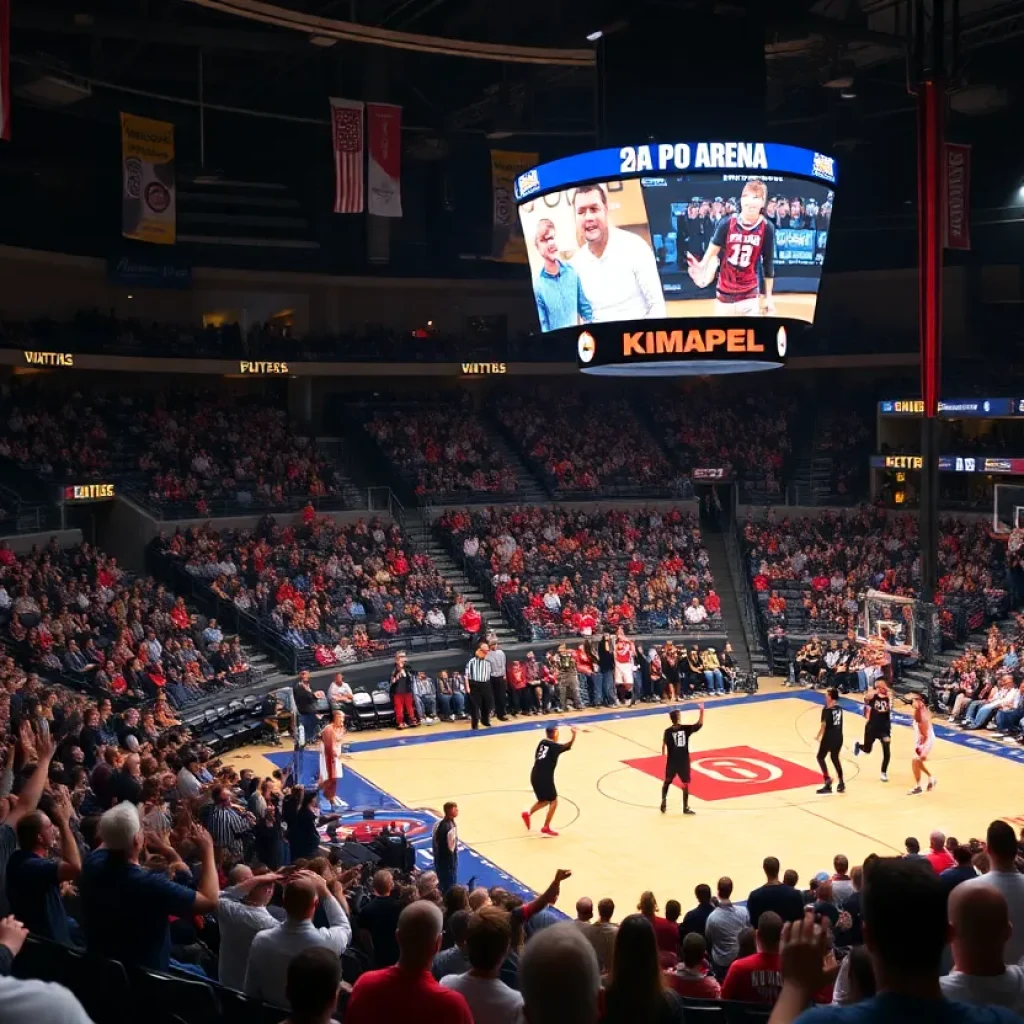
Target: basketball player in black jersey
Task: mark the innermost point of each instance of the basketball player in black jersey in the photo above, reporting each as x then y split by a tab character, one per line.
542	777
878	712
676	747
830	740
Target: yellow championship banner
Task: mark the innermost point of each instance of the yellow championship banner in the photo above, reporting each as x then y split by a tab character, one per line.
147	175
507	243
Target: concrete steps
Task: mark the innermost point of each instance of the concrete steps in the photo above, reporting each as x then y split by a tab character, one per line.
530	491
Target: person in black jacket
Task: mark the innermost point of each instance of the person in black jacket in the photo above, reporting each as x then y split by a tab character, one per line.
606	667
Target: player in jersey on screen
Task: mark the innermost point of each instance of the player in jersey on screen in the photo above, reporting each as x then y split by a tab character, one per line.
745	244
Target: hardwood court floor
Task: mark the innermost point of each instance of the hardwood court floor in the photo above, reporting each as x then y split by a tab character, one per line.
754	792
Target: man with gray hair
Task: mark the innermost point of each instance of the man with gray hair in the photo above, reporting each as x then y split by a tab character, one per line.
559	978
125	909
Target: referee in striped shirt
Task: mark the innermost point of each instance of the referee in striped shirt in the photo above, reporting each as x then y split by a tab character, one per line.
481	700
227	827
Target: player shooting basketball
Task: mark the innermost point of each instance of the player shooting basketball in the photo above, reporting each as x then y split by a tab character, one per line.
748	239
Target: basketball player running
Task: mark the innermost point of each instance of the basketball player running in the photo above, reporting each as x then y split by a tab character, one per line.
749	243
830	740
924	740
878	712
676	747
542	777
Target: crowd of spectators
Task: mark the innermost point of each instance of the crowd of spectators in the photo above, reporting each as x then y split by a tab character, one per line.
811	574
75	613
983	688
585	444
340	591
442	451
750	435
184	452
568	572
128	839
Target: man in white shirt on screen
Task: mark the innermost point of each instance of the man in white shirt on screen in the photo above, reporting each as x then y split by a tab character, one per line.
617	268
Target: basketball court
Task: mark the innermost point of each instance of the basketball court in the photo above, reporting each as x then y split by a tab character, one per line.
754	781
796	305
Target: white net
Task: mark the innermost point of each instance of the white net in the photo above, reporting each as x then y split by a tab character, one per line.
1007	508
891	620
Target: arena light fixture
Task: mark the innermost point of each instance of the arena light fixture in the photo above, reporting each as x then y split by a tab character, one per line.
592	37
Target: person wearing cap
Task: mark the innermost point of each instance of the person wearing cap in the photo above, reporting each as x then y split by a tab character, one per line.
717	212
797	218
617	267
693	233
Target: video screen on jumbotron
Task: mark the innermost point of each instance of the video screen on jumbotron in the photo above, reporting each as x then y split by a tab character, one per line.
704	237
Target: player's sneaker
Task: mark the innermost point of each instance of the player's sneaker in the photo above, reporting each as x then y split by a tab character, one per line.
827	788
841	788
689	810
915	791
856	749
932	783
884	777
526	818
662	806
548	831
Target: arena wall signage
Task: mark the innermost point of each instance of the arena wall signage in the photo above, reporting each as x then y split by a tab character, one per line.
50	359
484	369
956	408
706	474
1010	465
263	369
89	492
680	257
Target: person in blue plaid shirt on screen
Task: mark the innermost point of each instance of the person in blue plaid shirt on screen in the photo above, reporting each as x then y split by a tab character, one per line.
557	288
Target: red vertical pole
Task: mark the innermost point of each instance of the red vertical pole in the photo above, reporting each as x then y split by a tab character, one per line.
931	181
931	205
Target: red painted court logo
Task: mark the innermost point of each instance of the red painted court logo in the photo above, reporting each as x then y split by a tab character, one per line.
734	771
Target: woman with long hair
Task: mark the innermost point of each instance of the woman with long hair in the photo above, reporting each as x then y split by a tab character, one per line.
636	992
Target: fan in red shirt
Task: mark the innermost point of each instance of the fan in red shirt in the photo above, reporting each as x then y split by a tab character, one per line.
938	856
408	991
471	621
665	932
758	978
692	978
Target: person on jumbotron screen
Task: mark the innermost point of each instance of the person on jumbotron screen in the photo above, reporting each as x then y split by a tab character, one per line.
748	239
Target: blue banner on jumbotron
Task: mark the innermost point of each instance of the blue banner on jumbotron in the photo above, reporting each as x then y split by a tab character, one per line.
676	158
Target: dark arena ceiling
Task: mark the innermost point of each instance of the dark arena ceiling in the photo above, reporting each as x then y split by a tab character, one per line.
252	91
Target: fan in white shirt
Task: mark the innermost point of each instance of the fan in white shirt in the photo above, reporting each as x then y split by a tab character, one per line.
266	975
617	268
242	914
980	919
695	613
490	1000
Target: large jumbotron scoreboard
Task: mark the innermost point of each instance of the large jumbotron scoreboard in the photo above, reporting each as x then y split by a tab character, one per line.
678	258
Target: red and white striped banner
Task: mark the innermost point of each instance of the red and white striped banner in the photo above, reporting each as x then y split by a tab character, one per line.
5	70
958	196
347	137
384	131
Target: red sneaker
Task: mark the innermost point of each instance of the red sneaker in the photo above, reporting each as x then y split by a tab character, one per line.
548	831
526	818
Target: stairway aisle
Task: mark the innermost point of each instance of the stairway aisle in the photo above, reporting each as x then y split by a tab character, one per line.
331	448
732	617
531	491
418	528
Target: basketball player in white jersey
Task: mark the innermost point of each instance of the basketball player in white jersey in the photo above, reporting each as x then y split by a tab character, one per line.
924	740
